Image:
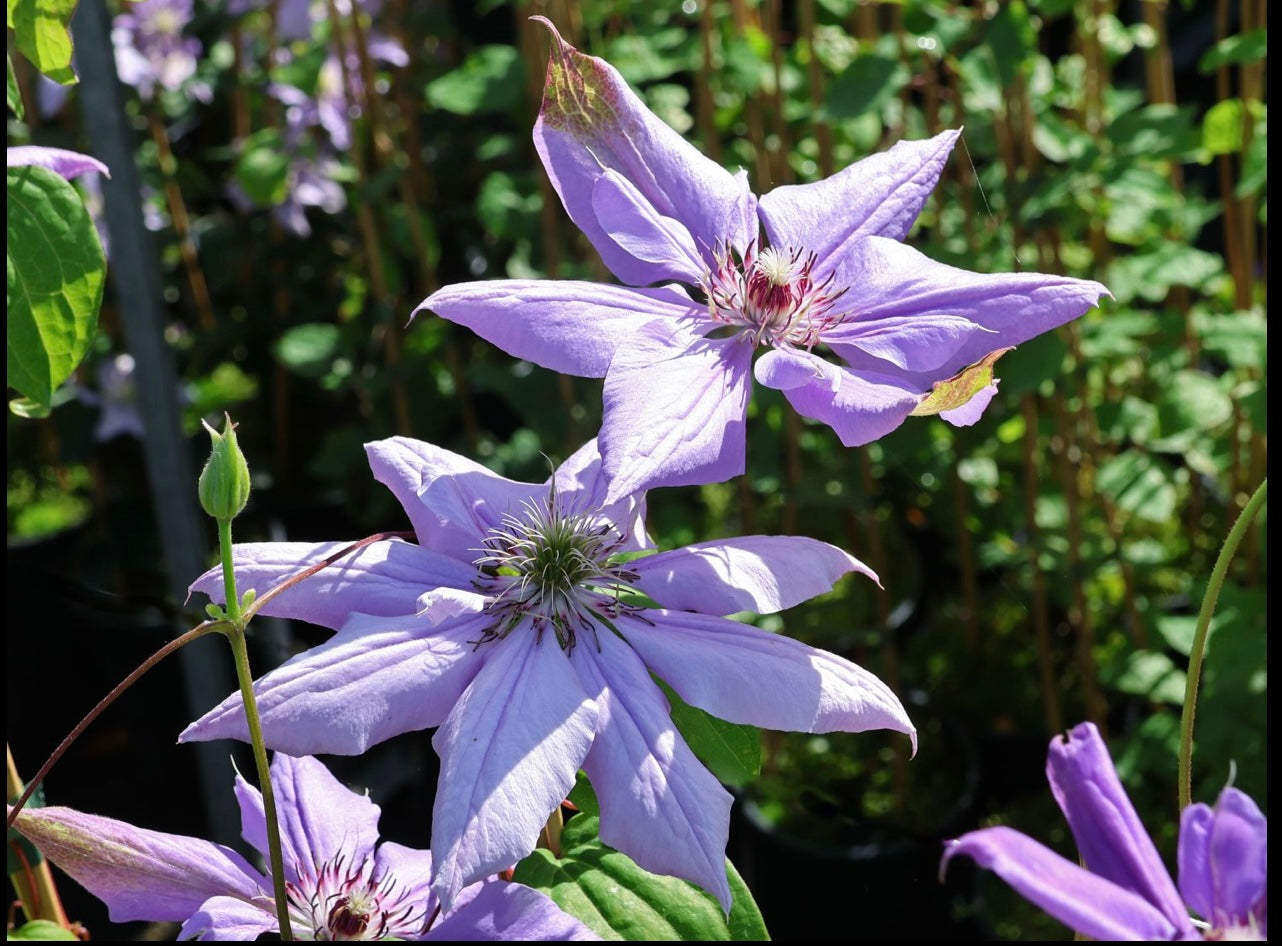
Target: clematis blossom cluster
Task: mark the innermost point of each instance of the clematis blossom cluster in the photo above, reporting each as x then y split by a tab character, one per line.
528	624
341	883
857	329
1124	891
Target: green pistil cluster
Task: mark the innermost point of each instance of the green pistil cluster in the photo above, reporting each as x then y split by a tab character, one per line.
551	569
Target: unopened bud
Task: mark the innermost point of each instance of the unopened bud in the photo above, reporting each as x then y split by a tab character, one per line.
224	482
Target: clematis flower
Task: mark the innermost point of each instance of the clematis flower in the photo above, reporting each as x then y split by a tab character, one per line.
1125	892
829	274
340	882
515	626
152	51
64	163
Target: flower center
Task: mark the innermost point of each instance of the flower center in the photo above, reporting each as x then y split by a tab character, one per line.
346	902
773	294
553	569
165	22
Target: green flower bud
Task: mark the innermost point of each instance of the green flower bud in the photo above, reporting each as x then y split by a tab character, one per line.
224	482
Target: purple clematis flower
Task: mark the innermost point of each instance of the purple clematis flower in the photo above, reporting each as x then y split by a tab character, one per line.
151	49
1125	892
913	336
515	625
64	163
340	882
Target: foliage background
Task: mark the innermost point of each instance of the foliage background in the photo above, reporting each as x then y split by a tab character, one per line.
1042	567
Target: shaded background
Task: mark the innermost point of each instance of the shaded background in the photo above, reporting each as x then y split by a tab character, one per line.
1042	567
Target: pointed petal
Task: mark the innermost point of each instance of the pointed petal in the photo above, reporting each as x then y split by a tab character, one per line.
1223	861
675	410
630	220
886	279
376	678
566	325
451	500
878	196
380	578
659	804
1111	841
319	817
501	910
509	751
592	122
970	412
860	406
226	919
1078	898
718	665
67	164
758	573
138	874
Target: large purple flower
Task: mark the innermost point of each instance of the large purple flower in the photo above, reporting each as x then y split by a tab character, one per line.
515	626
340	882
829	274
1124	891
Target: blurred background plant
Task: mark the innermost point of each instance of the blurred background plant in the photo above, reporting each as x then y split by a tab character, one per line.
309	170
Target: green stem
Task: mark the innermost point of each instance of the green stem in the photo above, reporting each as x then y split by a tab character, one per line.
229	574
236	635
1218	574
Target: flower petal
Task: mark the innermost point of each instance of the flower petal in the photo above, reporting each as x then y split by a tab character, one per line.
566	325
501	910
591	122
1223	861
139	874
319	817
758	573
878	196
581	488
860	406
1111	841
509	751
1078	898
886	279
67	164
228	920
381	578
913	343
412	869
451	500
659	804
376	678
675	410
722	666
644	233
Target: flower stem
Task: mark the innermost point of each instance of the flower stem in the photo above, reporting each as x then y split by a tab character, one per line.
1218	573
32	881
229	575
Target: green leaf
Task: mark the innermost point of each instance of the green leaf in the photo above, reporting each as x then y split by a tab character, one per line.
262	170
42	930
1150	675
865	86
732	751
619	900
14	96
489	80
40	32
1247	47
1138	485
308	349
1222	128
55	268
1191	405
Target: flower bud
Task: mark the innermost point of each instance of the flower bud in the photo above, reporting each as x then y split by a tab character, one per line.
224	482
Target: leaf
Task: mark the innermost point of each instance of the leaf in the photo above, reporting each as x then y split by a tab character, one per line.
955	392
732	751
40	32
489	80
619	900
1138	485
308	349
262	170
1191	405
55	269
1236	50
865	86
1150	675
14	96
1222	128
